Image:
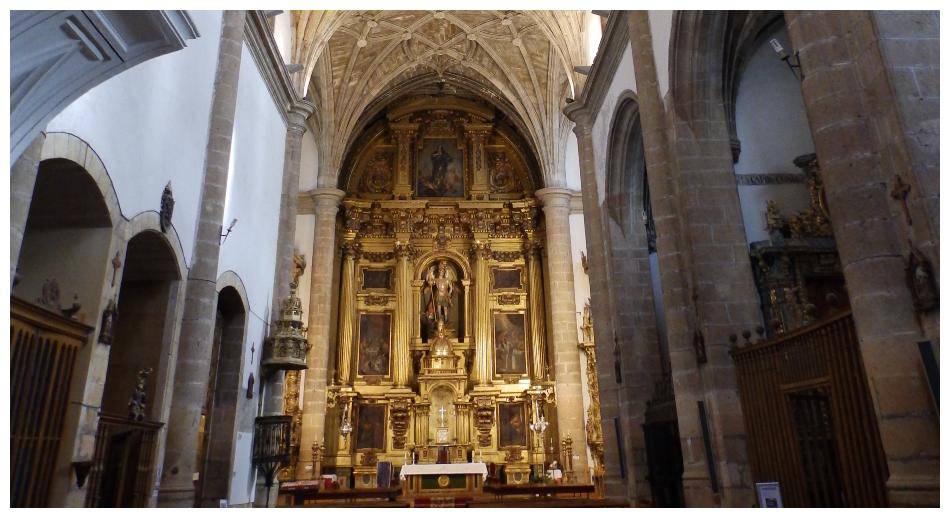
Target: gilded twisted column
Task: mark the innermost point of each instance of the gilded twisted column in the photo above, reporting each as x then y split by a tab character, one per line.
536	310
403	317
483	355
326	203
346	333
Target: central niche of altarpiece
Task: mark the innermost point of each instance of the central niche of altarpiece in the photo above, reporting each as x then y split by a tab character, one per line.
440	345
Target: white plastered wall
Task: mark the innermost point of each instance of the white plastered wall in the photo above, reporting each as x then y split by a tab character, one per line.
149	125
772	127
253	197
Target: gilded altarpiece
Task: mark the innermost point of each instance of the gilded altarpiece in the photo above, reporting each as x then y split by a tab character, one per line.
441	310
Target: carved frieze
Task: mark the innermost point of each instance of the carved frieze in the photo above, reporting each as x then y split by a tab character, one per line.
484	419
399	420
501	173
509	299
506	257
376	300
377	175
379	257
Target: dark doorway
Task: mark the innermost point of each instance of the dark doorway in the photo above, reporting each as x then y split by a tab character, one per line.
664	453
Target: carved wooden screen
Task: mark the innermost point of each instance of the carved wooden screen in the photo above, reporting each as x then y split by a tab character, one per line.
43	347
123	462
809	418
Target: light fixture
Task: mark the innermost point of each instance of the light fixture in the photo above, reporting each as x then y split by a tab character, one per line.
795	67
227	232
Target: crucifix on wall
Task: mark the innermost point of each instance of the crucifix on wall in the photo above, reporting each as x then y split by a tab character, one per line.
250	377
116	264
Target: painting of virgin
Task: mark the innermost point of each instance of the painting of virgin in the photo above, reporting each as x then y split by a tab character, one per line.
440	169
509	344
374	344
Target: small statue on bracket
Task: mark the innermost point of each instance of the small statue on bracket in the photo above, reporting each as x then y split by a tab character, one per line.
167	208
300	264
139	396
920	278
109	315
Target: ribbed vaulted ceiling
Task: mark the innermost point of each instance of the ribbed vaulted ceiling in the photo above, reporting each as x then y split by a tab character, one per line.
352	58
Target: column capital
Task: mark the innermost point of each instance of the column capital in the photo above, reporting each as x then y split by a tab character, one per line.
297	115
555	197
581	130
326	197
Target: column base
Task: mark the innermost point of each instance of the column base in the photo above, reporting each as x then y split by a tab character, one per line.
261	498
698	493
913	492
176	497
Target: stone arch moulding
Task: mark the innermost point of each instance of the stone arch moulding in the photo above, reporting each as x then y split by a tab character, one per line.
148	222
56	56
231	279
624	130
60	145
708	52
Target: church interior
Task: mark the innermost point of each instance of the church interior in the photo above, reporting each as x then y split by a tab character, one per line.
437	258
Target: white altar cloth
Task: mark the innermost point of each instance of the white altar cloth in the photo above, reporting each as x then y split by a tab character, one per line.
444	469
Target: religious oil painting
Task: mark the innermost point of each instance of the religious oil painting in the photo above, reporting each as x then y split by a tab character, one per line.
377	279
371	427
374	344
440	169
504	279
513	430
509	332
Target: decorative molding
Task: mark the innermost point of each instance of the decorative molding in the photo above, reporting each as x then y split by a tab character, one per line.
509	299
586	106
57	56
770	179
260	40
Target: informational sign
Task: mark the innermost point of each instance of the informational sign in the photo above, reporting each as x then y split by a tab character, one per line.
769	494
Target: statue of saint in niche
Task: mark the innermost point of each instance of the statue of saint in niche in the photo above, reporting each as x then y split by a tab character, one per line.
439	296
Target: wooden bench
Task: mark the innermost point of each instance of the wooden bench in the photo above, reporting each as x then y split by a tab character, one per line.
541	490
299	495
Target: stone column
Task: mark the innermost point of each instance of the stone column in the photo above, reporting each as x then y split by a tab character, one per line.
326	203
704	268
403	317
844	78
567	364
22	181
346	334
197	326
604	335
286	230
483	348
405	133
532	252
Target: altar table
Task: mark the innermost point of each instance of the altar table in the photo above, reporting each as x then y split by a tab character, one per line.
420	480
